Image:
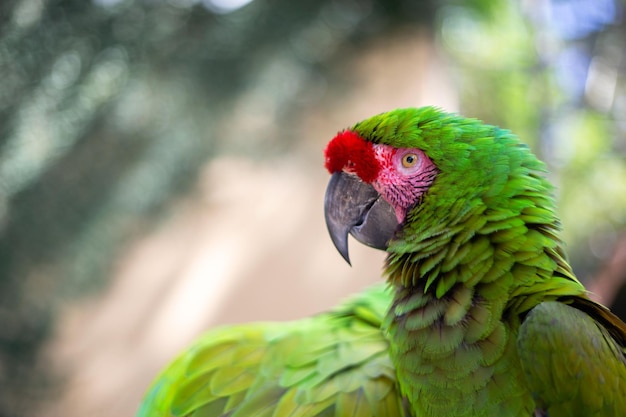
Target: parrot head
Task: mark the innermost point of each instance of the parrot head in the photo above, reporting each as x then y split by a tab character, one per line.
405	175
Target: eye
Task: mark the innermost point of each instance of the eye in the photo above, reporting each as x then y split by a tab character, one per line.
409	160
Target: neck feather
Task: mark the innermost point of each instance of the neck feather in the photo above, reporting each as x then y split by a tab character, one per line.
460	296
517	243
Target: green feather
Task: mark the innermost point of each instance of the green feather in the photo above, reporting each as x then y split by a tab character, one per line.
484	316
313	367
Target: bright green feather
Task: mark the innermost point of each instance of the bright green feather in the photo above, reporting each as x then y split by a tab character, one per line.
334	364
479	252
484	317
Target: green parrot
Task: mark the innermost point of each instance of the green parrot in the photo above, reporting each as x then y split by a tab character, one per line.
481	314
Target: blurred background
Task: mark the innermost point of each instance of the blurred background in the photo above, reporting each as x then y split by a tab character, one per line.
161	162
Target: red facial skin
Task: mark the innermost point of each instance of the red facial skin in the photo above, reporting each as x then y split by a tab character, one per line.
400	175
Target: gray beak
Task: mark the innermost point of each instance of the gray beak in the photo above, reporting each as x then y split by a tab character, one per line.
354	207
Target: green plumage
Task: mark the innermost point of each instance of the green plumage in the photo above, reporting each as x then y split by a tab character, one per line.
484	316
334	364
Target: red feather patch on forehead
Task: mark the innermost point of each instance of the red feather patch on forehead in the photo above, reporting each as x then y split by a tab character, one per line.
349	151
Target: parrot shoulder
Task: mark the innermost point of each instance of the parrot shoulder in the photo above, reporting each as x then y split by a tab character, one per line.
573	357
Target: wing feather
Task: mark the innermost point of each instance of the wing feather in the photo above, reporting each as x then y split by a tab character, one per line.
331	365
573	364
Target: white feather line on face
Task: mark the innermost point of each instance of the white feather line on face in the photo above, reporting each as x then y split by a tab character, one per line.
402	186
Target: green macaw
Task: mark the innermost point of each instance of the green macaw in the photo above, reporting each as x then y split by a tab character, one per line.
482	315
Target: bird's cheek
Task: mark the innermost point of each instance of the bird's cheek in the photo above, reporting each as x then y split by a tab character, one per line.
400	214
393	197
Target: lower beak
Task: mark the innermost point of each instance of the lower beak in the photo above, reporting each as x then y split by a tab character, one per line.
354	207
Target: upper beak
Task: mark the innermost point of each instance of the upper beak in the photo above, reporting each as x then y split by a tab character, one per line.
355	207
